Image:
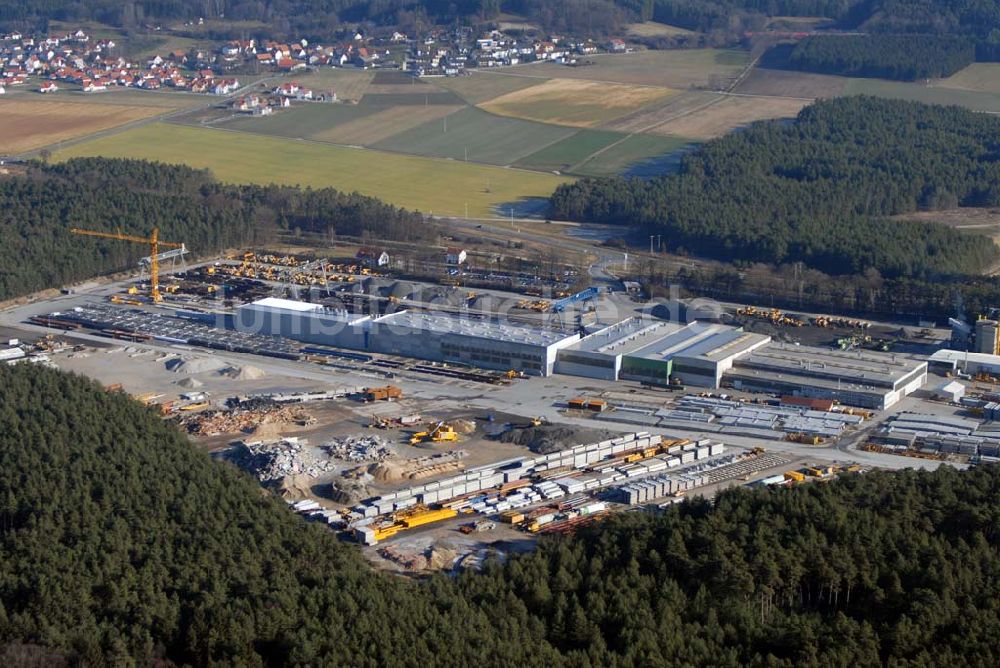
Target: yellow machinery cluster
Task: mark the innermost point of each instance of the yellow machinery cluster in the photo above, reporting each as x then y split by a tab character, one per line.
774	316
288	268
539	305
441	432
413	517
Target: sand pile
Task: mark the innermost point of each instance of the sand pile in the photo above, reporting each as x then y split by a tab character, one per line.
190	383
194	364
295	487
243	373
386	472
464	426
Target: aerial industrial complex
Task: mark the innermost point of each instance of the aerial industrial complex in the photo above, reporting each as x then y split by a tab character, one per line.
700	354
626	410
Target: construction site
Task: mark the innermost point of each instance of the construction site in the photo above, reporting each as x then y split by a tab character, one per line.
438	424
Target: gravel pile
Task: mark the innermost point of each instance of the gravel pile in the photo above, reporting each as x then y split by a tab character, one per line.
359	449
274	461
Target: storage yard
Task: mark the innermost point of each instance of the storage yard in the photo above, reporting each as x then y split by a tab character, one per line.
439	425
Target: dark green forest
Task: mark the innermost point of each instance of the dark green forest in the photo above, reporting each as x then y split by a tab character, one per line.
817	190
900	57
119	541
932	17
38	208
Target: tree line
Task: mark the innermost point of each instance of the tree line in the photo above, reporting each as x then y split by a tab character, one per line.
819	190
900	57
38	207
120	543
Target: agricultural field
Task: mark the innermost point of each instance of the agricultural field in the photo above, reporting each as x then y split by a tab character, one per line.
632	155
729	113
575	102
680	69
982	77
975	100
349	83
786	83
430	185
379	126
33	122
477	135
655	115
563	155
654	29
304	121
484	85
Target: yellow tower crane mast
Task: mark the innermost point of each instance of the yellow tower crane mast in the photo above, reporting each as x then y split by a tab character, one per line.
154	250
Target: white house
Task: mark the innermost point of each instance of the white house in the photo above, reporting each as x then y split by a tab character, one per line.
373	257
455	256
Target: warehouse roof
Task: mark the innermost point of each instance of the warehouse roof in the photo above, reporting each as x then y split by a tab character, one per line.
625	336
856	366
708	341
442	323
959	356
286	304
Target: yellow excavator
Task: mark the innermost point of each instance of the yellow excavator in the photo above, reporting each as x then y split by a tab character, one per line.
441	432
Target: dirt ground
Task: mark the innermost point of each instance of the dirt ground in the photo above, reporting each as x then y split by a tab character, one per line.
655	115
31	124
983	77
730	113
984	221
784	83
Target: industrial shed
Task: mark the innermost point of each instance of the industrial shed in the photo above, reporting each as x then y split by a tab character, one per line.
437	337
654	352
855	378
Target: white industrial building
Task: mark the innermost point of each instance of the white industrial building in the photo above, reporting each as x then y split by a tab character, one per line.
957	361
656	352
437	337
856	378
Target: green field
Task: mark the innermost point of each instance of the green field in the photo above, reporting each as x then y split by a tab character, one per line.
680	68
487	138
303	121
563	155
627	154
432	186
484	85
576	102
977	101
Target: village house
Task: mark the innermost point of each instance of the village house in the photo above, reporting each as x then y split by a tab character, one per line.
455	256
372	257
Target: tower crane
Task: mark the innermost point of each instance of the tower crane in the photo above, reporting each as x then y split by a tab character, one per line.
154	247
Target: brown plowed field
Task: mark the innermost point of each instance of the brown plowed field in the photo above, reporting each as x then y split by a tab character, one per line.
32	124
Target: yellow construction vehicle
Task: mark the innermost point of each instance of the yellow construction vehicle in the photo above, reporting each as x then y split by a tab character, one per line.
440	433
154	252
194	407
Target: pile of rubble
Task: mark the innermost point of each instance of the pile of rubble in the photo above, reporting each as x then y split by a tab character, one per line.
359	449
213	423
278	459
